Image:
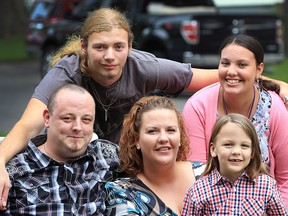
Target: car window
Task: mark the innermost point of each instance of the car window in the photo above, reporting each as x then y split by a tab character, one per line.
85	6
177	7
42	10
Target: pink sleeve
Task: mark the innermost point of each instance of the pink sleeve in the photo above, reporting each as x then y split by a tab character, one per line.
199	114
278	143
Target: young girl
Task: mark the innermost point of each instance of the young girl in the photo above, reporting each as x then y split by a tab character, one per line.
235	180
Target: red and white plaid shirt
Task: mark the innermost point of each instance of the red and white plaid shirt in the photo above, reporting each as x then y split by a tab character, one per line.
216	195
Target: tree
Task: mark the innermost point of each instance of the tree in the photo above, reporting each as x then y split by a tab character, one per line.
13	18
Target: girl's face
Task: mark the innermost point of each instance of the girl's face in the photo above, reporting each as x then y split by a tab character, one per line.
159	138
107	53
238	69
233	148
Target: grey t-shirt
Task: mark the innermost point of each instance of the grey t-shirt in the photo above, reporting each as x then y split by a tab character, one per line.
142	74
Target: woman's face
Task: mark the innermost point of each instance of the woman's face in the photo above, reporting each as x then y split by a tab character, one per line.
238	69
159	138
107	53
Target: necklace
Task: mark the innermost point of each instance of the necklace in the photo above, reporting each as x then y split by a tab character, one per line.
250	107
106	107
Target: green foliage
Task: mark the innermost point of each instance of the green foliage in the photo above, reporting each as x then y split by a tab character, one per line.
279	71
12	49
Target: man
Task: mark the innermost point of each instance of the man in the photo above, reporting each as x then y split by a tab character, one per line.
61	173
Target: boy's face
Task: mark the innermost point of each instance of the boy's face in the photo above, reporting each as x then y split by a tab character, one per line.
107	52
233	148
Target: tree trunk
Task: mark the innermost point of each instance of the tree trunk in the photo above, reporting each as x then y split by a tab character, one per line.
13	18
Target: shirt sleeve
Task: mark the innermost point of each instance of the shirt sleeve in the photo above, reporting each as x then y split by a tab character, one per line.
276	205
190	207
66	71
278	143
173	76
150	73
199	114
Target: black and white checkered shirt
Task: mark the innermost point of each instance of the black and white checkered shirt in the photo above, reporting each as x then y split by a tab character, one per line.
40	185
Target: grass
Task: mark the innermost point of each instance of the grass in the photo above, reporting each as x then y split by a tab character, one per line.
12	49
279	71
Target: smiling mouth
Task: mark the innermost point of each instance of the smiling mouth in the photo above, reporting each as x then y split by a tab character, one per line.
163	149
75	137
232	81
235	160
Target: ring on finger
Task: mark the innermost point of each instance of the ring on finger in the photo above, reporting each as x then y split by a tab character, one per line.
285	99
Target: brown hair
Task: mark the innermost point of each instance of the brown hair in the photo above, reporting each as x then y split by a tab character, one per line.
130	157
72	87
103	19
256	166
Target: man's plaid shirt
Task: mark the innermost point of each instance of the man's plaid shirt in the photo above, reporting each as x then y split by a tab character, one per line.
40	185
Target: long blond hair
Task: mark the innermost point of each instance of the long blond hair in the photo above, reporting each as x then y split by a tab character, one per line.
103	19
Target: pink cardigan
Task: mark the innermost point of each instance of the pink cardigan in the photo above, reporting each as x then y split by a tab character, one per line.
200	115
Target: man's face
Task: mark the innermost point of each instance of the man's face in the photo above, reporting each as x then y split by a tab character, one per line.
70	126
107	53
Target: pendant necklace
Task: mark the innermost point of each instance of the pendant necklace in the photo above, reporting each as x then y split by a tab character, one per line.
106	107
250	107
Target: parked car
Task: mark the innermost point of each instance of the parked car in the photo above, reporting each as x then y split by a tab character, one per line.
43	13
181	30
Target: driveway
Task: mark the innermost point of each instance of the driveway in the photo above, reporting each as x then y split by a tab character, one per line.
17	83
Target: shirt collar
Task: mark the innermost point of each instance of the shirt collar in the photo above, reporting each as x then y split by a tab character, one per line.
42	160
216	177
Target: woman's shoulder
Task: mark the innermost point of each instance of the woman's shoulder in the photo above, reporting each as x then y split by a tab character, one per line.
209	91
203	97
186	169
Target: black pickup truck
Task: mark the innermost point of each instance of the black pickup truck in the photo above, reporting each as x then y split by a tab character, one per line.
182	30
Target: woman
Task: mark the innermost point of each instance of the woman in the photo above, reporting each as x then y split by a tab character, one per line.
241	90
153	150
